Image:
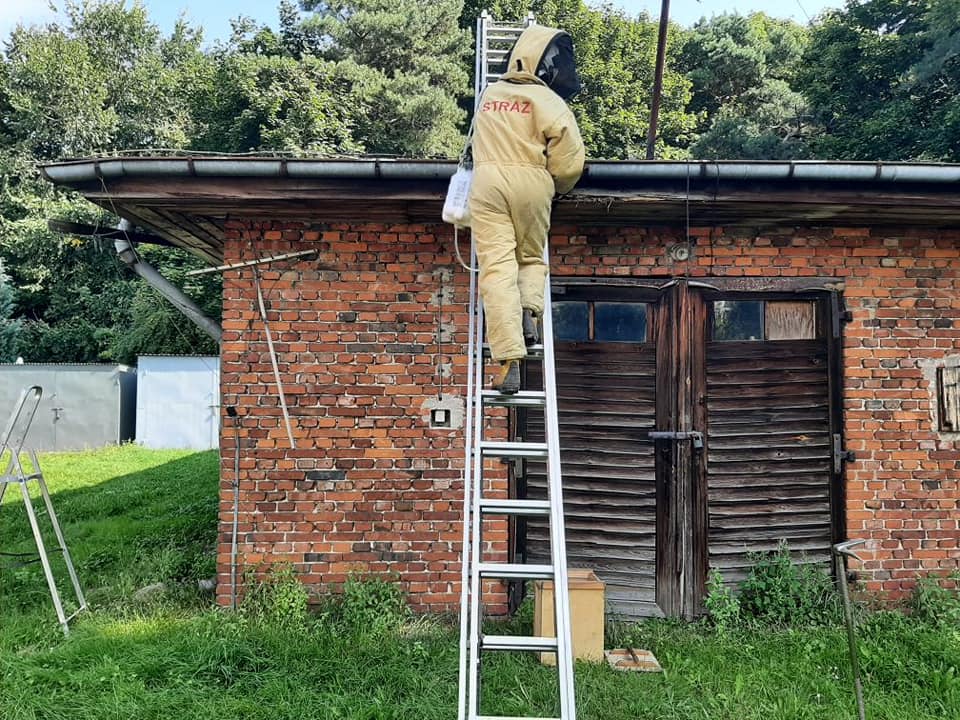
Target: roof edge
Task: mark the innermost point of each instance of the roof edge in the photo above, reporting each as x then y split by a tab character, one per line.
80	171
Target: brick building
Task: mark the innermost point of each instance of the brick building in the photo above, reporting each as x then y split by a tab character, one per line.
803	316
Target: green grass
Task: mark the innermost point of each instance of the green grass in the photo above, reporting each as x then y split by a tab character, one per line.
135	517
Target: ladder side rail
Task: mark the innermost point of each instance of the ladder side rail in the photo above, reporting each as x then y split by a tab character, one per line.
476	547
474	358
18	420
480	59
557	530
55	522
42	548
7	476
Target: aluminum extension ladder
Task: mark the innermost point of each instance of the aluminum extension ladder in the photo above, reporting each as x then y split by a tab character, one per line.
12	440
494	41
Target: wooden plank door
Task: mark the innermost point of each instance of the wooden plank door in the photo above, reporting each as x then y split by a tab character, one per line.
771	474
606	386
737	391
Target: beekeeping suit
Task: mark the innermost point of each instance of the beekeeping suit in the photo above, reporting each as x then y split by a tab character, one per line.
526	148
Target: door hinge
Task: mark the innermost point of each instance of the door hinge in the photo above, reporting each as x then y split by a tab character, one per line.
841	456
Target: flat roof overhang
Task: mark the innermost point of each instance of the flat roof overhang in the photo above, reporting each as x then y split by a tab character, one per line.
188	200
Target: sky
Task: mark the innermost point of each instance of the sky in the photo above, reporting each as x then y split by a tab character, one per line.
215	15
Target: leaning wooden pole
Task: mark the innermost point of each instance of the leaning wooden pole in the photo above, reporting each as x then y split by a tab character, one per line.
658	78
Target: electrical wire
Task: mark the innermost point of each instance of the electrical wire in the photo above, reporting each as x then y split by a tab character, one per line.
440	338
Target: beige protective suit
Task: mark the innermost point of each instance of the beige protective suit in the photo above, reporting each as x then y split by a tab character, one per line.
526	147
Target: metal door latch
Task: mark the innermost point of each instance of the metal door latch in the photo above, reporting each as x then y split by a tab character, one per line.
697	437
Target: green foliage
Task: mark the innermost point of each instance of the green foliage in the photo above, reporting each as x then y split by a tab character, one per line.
405	61
106	79
270	102
134	516
9	328
782	593
742	70
936	601
722	604
373	604
277	598
883	78
615	58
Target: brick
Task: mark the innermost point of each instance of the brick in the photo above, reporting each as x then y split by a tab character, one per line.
371	489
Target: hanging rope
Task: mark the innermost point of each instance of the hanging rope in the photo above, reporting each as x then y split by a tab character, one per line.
456	247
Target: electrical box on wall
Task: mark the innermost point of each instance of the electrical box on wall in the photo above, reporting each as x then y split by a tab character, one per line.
440	417
443	413
948	391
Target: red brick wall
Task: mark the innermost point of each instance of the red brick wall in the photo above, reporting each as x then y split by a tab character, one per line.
372	489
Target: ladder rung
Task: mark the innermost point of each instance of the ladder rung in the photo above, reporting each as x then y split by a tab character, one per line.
533	508
518	642
524	398
511	717
493	448
533	351
516	571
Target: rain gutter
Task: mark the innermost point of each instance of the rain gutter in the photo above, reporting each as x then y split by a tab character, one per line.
68	173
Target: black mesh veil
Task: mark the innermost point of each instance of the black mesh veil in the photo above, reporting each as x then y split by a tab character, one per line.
558	67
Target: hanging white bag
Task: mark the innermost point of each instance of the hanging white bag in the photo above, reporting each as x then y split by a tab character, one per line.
456	207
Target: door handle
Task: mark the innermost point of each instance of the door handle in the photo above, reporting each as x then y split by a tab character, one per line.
695	436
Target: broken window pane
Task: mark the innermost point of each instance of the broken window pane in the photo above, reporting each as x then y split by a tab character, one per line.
571	321
737	320
620	322
791	321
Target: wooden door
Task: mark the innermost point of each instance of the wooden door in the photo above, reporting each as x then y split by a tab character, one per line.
606	387
696	427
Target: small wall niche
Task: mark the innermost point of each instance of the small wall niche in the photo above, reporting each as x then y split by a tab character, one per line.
948	396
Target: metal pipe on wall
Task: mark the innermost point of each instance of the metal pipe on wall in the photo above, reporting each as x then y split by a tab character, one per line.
170	291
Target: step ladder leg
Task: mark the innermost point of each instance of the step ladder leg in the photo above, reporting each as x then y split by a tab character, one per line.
41	547
55	522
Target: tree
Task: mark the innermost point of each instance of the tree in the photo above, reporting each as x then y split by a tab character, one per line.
274	102
103	80
615	57
9	328
742	70
405	61
882	77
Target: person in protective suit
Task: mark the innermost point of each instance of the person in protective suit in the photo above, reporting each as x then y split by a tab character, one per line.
526	148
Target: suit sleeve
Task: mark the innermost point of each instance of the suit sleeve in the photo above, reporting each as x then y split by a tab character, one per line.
565	153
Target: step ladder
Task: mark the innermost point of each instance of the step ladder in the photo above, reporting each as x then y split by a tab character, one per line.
494	42
12	441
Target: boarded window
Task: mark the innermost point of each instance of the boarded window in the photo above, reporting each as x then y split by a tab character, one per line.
737	320
790	321
948	387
